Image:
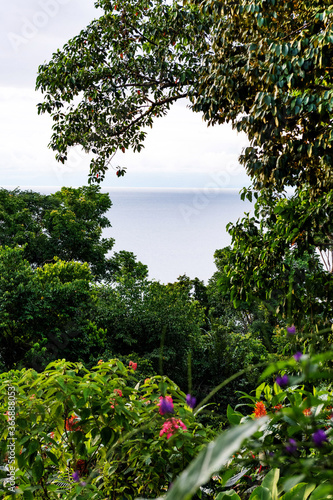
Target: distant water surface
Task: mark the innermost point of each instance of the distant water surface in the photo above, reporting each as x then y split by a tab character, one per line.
173	231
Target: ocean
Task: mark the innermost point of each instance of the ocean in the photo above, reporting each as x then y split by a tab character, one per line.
174	231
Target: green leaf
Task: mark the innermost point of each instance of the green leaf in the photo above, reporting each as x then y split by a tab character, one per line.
228	495
106	434
270	481
233	417
261	493
27	495
38	469
52	457
259	390
321	492
299	492
211	459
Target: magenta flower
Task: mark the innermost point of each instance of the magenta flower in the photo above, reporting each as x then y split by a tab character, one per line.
298	355
292	446
165	405
191	401
281	381
291	330
170	426
319	437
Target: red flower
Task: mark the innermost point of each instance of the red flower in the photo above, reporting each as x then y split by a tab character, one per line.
71	424
81	467
260	409
133	366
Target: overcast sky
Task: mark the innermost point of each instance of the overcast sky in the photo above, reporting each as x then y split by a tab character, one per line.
180	151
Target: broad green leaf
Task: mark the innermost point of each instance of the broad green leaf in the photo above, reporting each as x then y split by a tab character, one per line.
52	457
270	481
299	492
261	493
228	495
321	492
211	459
233	417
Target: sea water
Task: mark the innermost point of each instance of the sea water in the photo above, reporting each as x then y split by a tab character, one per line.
174	231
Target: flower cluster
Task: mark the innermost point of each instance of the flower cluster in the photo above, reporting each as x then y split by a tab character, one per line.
132	365
170	426
71	423
118	393
291	447
278	407
319	437
260	409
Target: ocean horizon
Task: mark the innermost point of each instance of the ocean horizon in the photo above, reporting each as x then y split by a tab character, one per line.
174	231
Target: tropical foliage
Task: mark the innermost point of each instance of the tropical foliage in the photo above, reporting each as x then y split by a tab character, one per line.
105	430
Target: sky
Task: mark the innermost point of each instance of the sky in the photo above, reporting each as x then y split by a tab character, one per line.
180	150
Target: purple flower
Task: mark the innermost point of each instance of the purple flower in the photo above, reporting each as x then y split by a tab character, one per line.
292	446
298	355
191	401
281	381
165	405
291	330
76	476
319	437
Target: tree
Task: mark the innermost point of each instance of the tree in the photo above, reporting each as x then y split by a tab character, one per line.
275	261
123	70
46	313
67	224
158	322
270	76
263	66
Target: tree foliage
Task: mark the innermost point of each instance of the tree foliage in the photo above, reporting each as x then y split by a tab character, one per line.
263	66
103	425
67	224
270	76
275	258
123	70
45	313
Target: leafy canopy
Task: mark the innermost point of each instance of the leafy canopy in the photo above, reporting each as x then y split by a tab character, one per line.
67	224
263	66
123	70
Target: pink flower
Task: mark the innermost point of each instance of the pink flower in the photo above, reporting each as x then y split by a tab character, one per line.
170	426
133	365
118	392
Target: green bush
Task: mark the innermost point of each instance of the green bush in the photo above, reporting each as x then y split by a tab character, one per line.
93	434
